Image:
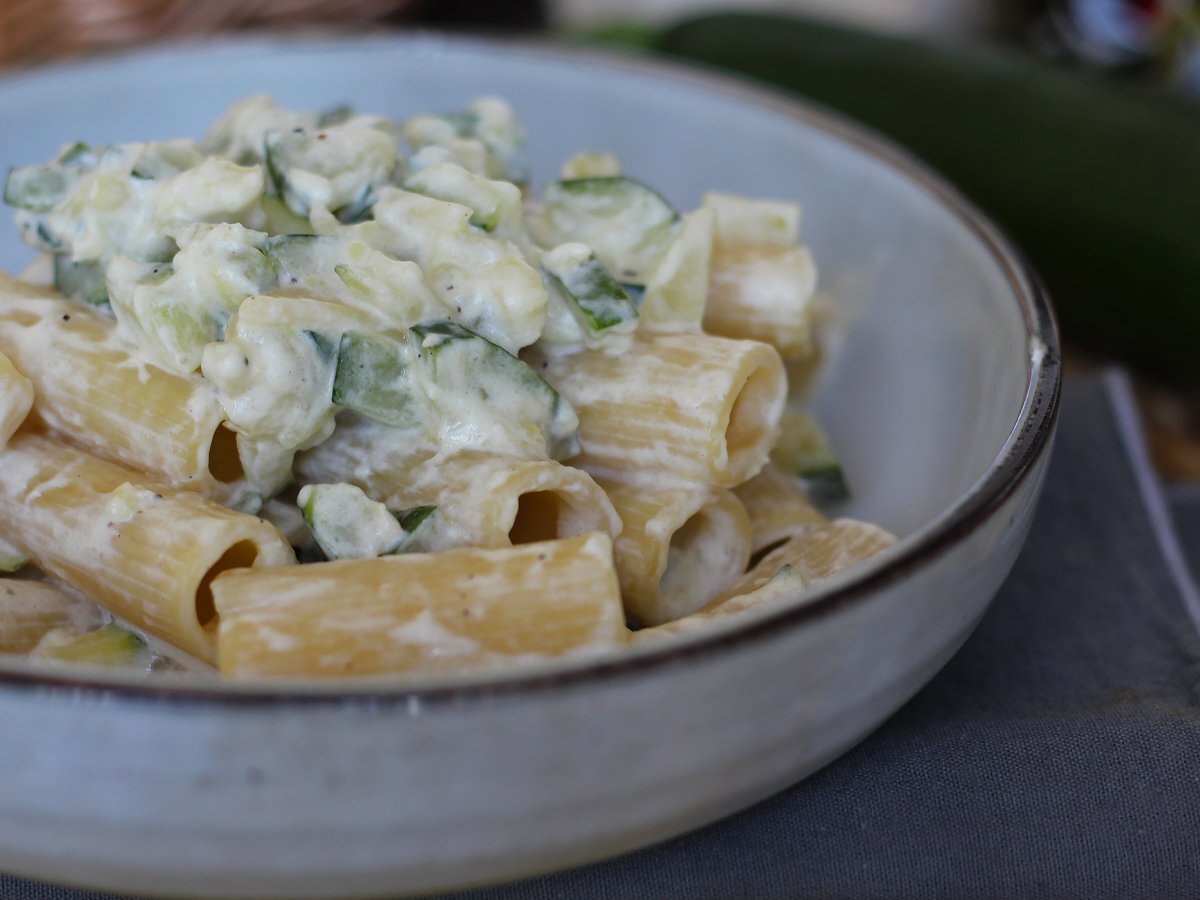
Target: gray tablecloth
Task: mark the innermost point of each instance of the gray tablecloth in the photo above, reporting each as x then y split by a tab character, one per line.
1057	755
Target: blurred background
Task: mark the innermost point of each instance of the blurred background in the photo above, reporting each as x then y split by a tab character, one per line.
1074	123
1141	37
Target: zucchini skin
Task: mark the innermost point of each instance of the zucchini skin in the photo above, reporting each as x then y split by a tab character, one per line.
1096	180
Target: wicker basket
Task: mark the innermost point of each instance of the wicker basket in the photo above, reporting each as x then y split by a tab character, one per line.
37	30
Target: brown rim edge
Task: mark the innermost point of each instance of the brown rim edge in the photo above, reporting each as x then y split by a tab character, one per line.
1027	441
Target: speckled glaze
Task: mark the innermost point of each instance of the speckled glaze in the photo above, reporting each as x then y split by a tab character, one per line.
941	395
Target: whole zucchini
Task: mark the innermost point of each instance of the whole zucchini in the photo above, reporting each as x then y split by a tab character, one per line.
1098	181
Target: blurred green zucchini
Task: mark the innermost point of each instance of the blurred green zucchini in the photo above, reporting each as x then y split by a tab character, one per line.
1098	181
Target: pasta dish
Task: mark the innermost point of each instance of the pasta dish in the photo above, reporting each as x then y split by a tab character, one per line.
332	395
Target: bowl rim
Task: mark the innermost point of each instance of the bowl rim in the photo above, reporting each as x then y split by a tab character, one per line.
1028	440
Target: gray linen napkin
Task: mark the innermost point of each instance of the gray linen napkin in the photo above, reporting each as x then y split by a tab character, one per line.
1057	755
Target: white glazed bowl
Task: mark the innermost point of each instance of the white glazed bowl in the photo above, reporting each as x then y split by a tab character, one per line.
942	401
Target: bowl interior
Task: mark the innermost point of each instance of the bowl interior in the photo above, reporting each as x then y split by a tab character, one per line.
931	371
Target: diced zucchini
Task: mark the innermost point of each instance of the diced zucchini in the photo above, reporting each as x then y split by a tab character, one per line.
359	208
392	288
37	188
278	219
78	155
411	519
214	191
627	224
488	120
177	309
591	165
373	377
411	226
327	348
81	280
109	645
677	291
163	159
40	188
804	449
597	298
335	115
480	382
335	167
495	123
304	261
239	133
347	524
469	153
273	379
346	269
492	203
11	558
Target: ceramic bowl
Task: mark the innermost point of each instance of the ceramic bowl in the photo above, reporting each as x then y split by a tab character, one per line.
941	398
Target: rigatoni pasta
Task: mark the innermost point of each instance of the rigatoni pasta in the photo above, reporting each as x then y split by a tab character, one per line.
783	574
777	507
91	386
676	406
482	499
679	547
16	399
488	418
30	610
146	553
761	280
432	613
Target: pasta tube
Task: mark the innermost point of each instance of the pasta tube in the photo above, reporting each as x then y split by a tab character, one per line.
90	385
429	612
482	500
760	281
686	406
147	554
679	548
16	399
783	573
764	293
496	501
778	508
29	610
821	553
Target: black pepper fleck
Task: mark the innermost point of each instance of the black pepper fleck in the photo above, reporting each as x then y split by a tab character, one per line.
66	318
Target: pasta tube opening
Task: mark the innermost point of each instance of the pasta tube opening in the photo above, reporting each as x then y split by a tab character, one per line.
548	500
498	501
753	413
679	548
241	555
537	517
224	463
703	558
